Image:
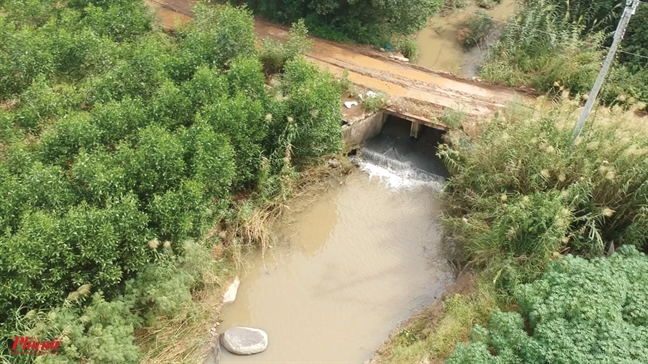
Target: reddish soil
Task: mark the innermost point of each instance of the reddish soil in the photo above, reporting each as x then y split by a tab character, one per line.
405	83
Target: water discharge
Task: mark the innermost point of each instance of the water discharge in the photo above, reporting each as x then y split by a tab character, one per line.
360	259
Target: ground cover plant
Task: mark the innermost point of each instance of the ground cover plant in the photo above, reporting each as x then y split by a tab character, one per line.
119	145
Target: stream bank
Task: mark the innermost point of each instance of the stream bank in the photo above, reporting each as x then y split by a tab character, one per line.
438	43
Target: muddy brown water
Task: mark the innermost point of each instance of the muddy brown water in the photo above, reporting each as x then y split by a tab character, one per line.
438	43
361	258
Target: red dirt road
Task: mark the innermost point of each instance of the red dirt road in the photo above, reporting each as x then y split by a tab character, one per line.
405	83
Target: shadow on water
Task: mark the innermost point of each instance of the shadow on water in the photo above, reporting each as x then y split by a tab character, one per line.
394	149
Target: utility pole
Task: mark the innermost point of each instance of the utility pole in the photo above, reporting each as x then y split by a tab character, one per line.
628	11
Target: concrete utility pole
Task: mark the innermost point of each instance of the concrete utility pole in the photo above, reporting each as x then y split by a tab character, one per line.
630	8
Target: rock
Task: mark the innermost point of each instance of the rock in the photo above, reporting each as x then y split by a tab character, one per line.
334	163
230	294
244	340
382	49
399	57
350	104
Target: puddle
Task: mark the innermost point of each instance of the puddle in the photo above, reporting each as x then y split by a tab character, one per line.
438	45
362	258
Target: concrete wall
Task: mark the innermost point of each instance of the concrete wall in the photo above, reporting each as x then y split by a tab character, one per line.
356	133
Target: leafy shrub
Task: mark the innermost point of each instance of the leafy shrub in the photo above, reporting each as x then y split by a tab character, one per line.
407	47
477	28
119	120
580	311
67	136
373	104
241	119
139	73
98	177
178	214
274	54
231	28
364	21
155	164
454	119
487	4
451	5
121	21
164	288
38	104
311	106
212	162
170	107
346	85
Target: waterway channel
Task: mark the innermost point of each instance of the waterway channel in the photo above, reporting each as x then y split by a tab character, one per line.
438	43
362	257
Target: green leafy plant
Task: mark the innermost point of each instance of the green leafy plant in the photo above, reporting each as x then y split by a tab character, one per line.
477	28
275	54
578	311
373	104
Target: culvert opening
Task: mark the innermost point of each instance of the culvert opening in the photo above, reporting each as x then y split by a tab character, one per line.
396	149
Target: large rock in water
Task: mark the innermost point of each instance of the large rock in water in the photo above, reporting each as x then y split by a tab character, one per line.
244	340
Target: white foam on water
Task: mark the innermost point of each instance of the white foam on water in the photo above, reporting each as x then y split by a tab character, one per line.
402	178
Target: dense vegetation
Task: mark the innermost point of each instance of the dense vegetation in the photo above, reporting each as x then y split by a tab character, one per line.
556	45
366	21
580	311
522	195
119	144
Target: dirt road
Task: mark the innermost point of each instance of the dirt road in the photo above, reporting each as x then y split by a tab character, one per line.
405	83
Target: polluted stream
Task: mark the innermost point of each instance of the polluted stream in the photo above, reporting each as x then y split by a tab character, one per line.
439	47
358	260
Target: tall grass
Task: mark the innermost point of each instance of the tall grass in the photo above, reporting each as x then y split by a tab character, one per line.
542	49
523	193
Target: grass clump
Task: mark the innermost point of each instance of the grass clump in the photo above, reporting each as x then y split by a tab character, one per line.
476	28
275	54
374	103
522	193
406	46
346	85
452	5
454	119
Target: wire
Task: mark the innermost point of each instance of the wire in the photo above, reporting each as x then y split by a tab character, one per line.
634	54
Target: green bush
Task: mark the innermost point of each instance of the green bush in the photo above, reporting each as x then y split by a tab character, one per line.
580	311
373	104
407	47
155	164
311	107
114	137
364	21
163	289
275	54
63	140
477	28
